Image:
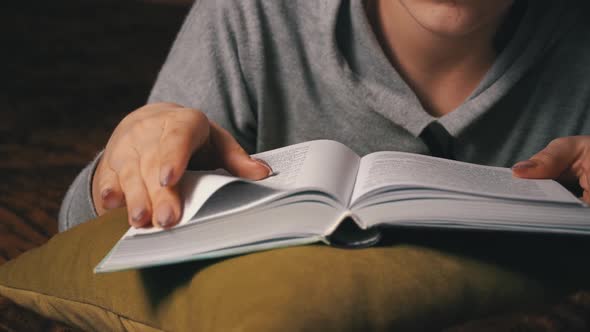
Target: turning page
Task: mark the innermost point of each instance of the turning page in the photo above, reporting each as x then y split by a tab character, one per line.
390	170
323	164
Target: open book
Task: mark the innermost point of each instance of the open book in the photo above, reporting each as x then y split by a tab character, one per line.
323	191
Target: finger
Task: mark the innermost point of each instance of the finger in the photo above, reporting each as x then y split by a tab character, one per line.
111	194
584	181
165	201
586	196
168	207
183	133
550	162
136	195
234	158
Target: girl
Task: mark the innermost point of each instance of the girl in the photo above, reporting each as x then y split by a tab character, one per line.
489	82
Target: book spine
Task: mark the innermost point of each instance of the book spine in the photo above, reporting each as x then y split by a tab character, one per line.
349	232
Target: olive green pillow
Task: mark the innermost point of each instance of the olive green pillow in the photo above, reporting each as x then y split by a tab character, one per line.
421	281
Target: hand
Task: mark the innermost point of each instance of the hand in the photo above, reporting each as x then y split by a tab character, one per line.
148	153
565	159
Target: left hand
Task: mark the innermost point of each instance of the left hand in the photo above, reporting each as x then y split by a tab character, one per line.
565	159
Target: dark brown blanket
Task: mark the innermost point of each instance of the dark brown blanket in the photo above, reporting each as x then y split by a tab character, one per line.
72	69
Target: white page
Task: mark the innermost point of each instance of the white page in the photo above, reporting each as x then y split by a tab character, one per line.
324	164
491	213
398	169
290	221
195	188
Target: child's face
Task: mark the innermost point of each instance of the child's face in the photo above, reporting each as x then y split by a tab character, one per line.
456	18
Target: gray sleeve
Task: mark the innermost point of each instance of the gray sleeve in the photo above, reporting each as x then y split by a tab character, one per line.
77	206
204	68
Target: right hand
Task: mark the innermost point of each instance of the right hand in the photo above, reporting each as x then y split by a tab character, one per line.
148	153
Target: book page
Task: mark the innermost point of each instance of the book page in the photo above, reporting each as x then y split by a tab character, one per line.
398	169
195	188
297	223
484	213
324	164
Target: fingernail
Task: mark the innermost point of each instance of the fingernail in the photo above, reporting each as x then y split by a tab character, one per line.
524	164
137	215
164	216
263	163
109	201
105	193
165	176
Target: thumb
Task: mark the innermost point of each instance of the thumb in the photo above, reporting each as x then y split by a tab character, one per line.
234	158
549	163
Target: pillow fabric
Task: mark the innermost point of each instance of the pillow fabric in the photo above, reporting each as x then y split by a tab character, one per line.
422	280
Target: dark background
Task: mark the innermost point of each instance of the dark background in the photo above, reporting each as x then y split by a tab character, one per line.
71	70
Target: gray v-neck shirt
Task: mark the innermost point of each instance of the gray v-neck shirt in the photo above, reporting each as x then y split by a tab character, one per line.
279	72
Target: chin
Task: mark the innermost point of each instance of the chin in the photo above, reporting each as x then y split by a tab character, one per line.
455	18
